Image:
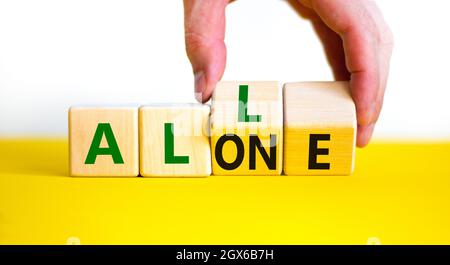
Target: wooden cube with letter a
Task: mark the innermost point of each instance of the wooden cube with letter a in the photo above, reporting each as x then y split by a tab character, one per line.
174	140
247	128
319	128
103	141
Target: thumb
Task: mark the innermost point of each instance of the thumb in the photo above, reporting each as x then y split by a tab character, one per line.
204	24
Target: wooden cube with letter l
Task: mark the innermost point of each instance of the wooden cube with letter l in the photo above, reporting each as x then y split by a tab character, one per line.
103	141
319	129
247	128
174	140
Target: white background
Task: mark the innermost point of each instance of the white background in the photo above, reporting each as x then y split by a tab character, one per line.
54	54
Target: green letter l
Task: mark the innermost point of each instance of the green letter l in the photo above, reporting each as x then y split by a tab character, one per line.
169	147
242	108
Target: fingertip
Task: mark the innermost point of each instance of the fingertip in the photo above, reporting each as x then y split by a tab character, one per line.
208	61
206	95
366	114
199	85
204	86
364	134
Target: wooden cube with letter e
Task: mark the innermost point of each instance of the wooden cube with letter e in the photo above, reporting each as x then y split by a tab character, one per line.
319	129
247	128
103	141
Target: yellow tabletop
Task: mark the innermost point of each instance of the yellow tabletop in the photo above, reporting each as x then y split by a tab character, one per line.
399	194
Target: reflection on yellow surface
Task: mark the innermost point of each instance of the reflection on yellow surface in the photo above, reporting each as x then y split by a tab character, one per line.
399	193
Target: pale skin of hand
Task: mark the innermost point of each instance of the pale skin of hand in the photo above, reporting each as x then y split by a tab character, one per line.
357	41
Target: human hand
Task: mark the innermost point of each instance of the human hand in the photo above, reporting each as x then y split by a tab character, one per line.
357	41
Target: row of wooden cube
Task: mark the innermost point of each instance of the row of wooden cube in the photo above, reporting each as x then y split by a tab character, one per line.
253	128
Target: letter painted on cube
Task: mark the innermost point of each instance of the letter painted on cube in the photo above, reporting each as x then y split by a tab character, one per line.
242	107
269	160
319	129
104	129
236	162
246	128
169	147
174	140
103	141
314	151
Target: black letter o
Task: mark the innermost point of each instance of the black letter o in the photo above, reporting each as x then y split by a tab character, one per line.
219	154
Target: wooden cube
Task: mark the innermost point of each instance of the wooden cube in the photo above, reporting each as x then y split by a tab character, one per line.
103	141
319	129
174	140
247	128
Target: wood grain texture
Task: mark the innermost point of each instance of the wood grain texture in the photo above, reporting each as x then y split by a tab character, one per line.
190	135
319	108
265	100
83	123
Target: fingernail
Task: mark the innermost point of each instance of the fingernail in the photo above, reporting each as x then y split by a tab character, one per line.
365	134
200	85
367	115
373	111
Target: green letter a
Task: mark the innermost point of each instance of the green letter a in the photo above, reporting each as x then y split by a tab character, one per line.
112	149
